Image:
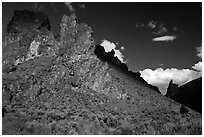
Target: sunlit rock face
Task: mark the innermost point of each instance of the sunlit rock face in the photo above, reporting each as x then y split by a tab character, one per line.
52	86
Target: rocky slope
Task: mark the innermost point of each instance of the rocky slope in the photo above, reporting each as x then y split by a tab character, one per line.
52	86
189	94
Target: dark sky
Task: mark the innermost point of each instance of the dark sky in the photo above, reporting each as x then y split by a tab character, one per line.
116	22
127	25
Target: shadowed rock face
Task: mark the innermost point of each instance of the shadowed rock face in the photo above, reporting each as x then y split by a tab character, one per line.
27	20
190	94
172	89
61	86
109	57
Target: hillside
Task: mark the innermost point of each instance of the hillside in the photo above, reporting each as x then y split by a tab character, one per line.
189	94
61	86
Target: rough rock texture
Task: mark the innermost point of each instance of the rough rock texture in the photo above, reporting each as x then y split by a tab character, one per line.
24	20
62	87
122	67
172	89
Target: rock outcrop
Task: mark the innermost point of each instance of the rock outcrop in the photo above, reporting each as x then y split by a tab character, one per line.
117	64
61	86
172	89
26	20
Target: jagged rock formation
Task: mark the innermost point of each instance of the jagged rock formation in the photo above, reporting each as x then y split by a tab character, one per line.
117	64
63	87
172	89
190	94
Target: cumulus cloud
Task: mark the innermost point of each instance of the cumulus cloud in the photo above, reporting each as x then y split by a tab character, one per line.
69	6
164	38
119	55
198	66
109	46
161	77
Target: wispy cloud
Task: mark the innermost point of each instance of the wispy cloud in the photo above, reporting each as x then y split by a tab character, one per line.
199	52
109	46
156	27
161	29
140	25
174	28
39	6
83	6
70	6
164	38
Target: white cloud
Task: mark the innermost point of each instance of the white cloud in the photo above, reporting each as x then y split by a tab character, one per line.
175	28
198	66
122	48
164	38
156	27
119	55
152	24
140	25
69	6
161	29
199	52
161	77
83	6
108	46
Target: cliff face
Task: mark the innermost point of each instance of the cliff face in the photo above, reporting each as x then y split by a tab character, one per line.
62	86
